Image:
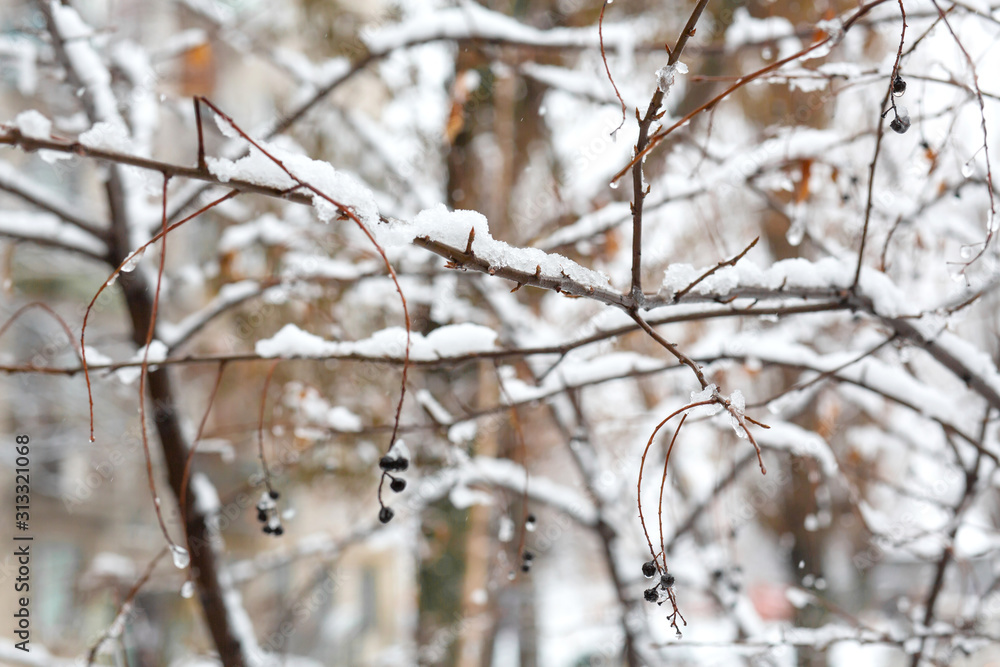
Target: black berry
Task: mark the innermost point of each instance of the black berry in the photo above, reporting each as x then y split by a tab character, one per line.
261	516
667	580
526	567
279	530
391	463
528	555
385	514
648	569
650	595
268	530
397	484
274	495
531	518
900	124
898	85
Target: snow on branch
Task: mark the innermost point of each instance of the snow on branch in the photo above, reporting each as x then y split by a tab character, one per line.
471	21
85	68
49	230
455	340
30	191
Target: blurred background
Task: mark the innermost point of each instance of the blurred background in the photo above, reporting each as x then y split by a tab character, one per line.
873	538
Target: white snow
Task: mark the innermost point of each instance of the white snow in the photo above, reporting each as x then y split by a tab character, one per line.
107	136
453	340
474	20
157	352
342	419
33	124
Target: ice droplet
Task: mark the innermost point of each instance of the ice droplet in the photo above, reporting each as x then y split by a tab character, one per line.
187	590
181	556
506	532
614	185
965	252
133	261
967	169
796	232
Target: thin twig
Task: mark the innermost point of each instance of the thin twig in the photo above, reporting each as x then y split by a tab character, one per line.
878	146
197	440
604	57
662	134
663	484
652	114
729	262
260	426
124	606
111	279
144	371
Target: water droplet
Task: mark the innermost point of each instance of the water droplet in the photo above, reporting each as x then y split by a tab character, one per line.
181	557
965	252
187	590
133	261
968	169
614	185
796	232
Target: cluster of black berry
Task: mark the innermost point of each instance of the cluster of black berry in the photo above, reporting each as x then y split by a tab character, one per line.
530	522
901	120
389	465
526	559
267	513
657	593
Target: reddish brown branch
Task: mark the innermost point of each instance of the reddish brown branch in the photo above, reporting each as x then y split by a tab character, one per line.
197	441
742	81
604	57
144	371
663	484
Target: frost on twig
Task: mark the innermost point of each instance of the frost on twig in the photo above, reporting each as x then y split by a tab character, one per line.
667	75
